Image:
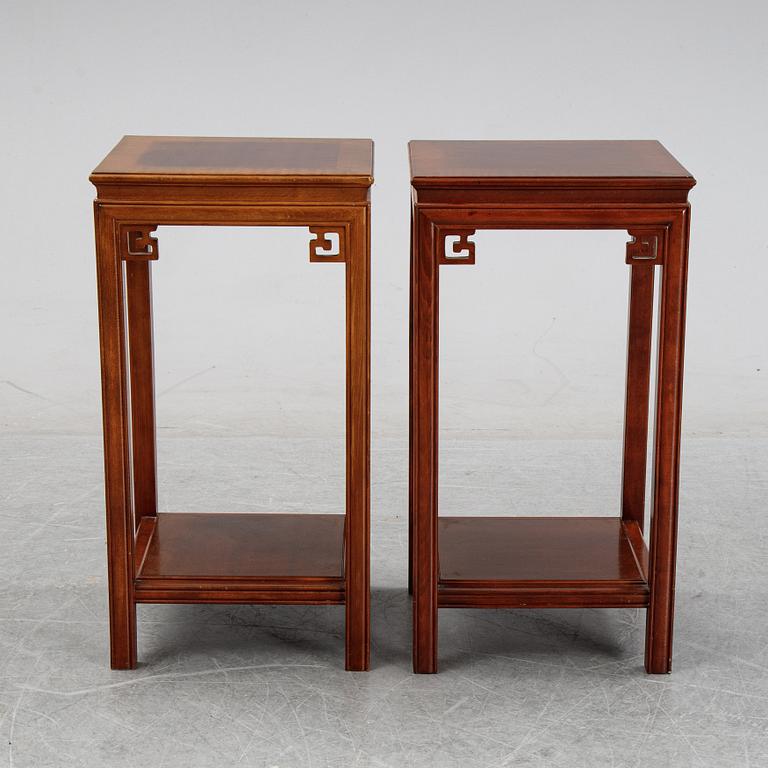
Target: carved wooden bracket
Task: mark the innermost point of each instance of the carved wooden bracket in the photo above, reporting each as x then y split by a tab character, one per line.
462	249
646	246
137	243
331	241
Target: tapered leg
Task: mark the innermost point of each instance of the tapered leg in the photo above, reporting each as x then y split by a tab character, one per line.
357	550
139	304
424	445
117	464
663	538
637	391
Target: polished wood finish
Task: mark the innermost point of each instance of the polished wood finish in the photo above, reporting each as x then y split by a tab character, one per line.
142	386
636	407
268	558
142	169
457	189
196	544
554	562
666	460
272	161
148	182
530	172
530	162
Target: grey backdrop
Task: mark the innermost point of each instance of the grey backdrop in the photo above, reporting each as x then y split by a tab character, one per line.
250	384
76	76
249	334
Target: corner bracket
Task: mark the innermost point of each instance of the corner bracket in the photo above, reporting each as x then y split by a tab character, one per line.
646	246
137	243
328	244
462	249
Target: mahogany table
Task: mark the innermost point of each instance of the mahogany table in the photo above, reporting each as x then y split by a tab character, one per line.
151	181
459	187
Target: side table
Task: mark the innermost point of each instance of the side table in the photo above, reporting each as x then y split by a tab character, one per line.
147	182
459	187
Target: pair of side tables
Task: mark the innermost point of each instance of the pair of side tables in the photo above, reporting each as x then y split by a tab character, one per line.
458	187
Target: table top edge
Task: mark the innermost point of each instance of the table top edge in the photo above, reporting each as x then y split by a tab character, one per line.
235	179
664	168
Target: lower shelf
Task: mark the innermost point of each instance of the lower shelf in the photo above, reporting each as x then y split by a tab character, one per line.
546	562
240	558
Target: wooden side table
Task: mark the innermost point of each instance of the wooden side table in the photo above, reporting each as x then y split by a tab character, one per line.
459	187
149	181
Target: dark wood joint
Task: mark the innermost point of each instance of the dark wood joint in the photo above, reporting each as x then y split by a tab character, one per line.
646	246
460	251
137	243
328	245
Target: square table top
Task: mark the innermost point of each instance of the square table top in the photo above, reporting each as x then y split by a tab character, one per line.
261	160
502	163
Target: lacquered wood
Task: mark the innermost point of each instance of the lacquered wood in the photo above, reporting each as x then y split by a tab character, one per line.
459	188
143	169
424	445
236	545
358	330
411	392
531	162
138	281
666	460
636	407
273	160
537	172
118	489
534	552
145	530
146	182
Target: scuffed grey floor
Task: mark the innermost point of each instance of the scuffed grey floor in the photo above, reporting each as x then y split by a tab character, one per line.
264	686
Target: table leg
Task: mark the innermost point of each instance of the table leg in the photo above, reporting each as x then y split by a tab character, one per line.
139	307
357	530
411	481
117	464
424	437
663	538
637	392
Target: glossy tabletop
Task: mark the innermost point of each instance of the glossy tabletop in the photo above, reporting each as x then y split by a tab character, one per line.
507	163
348	161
